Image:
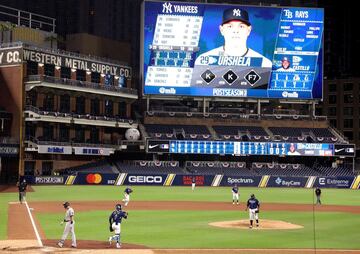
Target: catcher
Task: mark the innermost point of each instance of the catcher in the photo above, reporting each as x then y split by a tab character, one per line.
254	206
127	193
115	224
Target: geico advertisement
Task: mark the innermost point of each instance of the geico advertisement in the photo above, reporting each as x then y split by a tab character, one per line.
145	179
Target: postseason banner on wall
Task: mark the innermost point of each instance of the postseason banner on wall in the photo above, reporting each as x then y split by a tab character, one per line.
196	49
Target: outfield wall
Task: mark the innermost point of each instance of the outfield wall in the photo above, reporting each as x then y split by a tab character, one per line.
346	182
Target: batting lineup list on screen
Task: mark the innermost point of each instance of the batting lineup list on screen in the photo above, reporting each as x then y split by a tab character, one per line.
251	148
183	51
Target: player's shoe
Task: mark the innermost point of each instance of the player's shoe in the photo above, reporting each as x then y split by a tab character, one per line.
60	244
257	225
237	203
110	240
250	226
233	203
118	245
73	246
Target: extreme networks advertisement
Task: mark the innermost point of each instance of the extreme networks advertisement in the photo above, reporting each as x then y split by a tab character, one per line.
195	49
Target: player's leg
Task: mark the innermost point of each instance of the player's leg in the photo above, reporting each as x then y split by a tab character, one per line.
257	218
117	231
251	216
237	198
64	235
233	198
73	236
20	197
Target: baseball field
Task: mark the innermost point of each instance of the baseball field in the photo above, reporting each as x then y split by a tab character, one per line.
179	220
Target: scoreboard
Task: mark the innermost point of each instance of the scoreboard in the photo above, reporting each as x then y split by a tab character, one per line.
176	35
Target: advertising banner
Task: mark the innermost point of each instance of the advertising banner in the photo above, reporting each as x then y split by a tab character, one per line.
334	182
287	181
54	149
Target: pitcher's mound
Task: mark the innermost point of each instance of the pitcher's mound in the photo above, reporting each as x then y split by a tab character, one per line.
263	224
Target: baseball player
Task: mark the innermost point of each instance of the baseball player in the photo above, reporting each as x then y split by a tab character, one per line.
193	183
235	194
115	224
127	192
69	226
253	205
235	28
318	195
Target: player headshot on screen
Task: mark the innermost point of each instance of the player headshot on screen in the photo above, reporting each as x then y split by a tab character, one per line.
285	65
292	150
235	28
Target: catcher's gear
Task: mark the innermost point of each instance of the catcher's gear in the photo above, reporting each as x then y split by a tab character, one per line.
66	204
111	229
118	207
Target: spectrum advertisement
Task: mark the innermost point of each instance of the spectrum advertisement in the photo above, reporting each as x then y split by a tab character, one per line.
195	49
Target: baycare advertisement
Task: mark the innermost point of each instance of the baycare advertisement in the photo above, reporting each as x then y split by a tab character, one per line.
195	49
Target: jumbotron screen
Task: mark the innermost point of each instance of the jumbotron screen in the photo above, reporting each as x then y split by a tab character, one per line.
194	49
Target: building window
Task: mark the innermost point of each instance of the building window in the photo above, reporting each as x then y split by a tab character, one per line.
332	87
348	86
49	70
95	107
332	111
65	72
48	103
31	68
332	99
29	167
122	109
108	108
94	136
348	111
333	122
349	135
348	123
79	135
80	105
81	75
64	103
47	168
95	77
48	133
348	98
64	133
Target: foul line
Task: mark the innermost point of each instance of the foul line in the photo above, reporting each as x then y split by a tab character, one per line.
34	226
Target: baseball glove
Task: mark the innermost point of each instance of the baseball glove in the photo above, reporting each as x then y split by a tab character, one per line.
257	211
110	228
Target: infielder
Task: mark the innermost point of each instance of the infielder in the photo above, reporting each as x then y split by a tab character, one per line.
253	205
235	194
115	224
127	192
69	226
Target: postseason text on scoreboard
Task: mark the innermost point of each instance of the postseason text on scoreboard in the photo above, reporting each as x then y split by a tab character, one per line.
177	35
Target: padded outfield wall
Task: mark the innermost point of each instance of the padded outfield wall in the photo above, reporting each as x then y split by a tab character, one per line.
345	182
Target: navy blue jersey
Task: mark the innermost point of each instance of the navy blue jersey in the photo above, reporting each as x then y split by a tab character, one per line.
253	203
116	216
235	189
128	190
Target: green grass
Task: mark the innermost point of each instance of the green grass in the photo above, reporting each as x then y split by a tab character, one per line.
209	194
5	198
189	229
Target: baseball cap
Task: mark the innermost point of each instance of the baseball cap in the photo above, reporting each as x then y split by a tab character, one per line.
236	14
285	59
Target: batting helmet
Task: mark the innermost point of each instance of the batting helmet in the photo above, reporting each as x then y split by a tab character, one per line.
118	207
252	196
66	204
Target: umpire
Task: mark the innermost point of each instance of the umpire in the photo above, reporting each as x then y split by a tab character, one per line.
22	185
318	195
